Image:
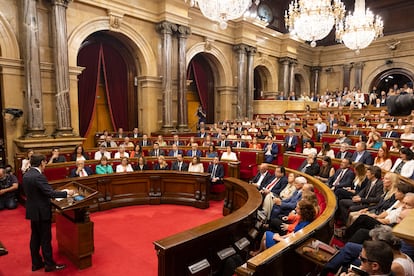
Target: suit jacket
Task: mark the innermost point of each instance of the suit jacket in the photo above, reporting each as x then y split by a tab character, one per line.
293	144
356	133
202	135
219	172
87	169
149	143
291	202
160	152
137	168
190	153
274	151
38	192
346	180
226	143
333	130
372	195
347	155
59	159
171	153
266	180
281	183
184	166
312	170
366	158
180	143
394	134
242	144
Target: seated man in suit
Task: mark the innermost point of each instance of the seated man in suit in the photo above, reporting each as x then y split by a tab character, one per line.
273	189
202	133
343	152
390	133
145	141
343	138
310	165
335	129
270	151
175	151
263	177
239	144
176	140
362	155
343	177
156	151
80	170
56	158
291	141
120	133
179	164
194	151
135	133
216	171
223	142
370	194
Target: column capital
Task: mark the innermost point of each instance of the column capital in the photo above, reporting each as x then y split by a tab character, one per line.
63	3
347	67
241	47
166	27
252	50
287	60
315	68
359	65
183	31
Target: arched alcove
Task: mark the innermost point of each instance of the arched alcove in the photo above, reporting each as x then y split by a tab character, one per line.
388	78
262	80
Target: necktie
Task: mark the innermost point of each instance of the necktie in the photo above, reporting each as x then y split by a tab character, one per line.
339	178
144	143
156	152
272	184
81	173
369	190
179	166
213	173
388	134
399	167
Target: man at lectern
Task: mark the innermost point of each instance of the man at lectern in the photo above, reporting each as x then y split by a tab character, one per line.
38	210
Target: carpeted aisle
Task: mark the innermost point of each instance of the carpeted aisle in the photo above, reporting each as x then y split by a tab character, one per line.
123	238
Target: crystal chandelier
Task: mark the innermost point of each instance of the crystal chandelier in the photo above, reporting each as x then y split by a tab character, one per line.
221	11
313	20
359	29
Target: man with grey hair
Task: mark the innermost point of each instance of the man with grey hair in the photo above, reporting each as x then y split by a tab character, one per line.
362	155
283	207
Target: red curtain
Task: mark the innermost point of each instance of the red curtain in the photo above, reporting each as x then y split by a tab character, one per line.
200	77
89	57
116	82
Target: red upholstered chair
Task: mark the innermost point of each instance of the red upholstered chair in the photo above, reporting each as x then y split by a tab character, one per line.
247	163
57	173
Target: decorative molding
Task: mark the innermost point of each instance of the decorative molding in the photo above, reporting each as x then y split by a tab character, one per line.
115	19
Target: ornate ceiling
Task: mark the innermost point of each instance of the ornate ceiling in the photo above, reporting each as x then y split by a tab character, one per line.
396	14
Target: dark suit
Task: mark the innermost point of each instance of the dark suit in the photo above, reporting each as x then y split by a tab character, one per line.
178	143
391	134
175	167
59	159
347	155
38	210
345	181
335	131
138	168
266	180
268	158
366	158
171	153
219	173
293	143
312	169
239	144
356	133
280	184
190	153
160	152
141	143
87	169
287	205
223	143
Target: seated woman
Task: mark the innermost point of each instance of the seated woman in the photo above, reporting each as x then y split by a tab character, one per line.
162	164
246	135
142	164
228	155
310	148
161	141
211	152
405	164
359	183
191	141
196	165
326	150
305	209
254	144
383	160
104	167
375	141
79	154
121	153
137	152
26	161
290	188
124	166
208	141
232	135
326	171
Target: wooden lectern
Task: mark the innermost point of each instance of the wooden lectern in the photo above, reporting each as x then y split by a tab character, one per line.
74	230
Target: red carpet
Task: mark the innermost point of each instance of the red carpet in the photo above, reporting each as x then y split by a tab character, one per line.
123	239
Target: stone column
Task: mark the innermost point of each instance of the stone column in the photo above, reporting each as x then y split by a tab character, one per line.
285	76
30	55
358	74
166	29
347	75
61	65
250	82
292	66
241	79
315	79
183	33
